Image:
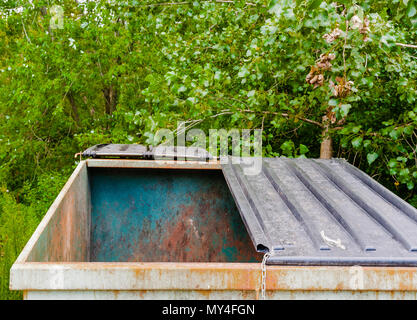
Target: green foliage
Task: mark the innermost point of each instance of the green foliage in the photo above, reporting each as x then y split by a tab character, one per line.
120	70
40	196
17	222
289	150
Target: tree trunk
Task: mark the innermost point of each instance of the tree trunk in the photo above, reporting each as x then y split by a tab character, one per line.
73	107
110	97
326	150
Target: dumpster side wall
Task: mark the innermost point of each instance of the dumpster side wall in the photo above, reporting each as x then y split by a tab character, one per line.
66	234
145	215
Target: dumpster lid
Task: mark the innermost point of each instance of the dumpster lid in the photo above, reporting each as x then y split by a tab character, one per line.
113	150
137	151
323	212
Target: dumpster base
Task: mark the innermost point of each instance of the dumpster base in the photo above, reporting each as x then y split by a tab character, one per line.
209	281
218	295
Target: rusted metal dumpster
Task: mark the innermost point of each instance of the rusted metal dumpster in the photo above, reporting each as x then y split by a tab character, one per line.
132	228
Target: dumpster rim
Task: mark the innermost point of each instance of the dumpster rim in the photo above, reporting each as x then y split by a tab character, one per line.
153	164
206	276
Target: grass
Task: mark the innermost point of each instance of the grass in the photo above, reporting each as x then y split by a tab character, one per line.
17	222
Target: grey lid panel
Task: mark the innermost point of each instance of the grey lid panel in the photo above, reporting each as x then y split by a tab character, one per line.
336	201
252	220
396	222
162	152
138	151
323	212
119	150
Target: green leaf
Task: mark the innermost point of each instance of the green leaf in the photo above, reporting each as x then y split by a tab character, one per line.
344	109
357	142
272	3
411	10
404	172
303	149
333	102
395	134
371	157
314	4
287	148
409	130
366	143
182	89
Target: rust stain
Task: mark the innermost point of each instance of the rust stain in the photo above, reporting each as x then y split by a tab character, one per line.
66	236
237	276
116	294
202	226
160	164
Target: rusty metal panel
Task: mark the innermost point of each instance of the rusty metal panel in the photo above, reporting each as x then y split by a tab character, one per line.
151	164
323	212
165	215
63	234
208	276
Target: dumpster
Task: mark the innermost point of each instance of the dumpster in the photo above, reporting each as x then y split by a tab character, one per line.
128	226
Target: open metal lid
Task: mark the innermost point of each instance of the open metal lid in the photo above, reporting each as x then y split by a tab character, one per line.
137	151
116	150
323	212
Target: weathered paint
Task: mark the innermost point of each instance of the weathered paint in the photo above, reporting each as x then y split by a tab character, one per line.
167	216
218	295
154	164
174	280
64	233
323	212
235	280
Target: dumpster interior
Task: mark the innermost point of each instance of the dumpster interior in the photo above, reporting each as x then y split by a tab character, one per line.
163	215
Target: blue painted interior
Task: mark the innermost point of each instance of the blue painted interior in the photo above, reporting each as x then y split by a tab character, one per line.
165	215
